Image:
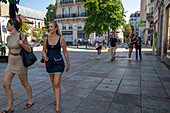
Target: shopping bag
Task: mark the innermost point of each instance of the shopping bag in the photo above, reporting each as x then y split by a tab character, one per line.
108	50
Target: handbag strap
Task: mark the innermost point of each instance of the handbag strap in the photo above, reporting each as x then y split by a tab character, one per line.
23	42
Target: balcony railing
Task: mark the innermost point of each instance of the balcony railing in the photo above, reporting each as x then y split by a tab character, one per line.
78	0
70	15
67	1
70	27
149	15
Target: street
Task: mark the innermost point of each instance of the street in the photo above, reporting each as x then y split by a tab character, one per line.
97	86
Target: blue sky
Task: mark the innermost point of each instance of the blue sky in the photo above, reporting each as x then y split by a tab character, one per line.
131	6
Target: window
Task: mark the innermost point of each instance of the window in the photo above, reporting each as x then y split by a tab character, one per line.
70	12
71	25
64	25
64	12
79	11
79	25
38	24
35	25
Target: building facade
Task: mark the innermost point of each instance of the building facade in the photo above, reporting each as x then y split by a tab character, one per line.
162	29
134	21
33	18
146	15
70	16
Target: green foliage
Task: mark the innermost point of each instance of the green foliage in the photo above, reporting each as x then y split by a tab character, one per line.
34	33
51	13
25	28
11	1
127	29
102	15
38	34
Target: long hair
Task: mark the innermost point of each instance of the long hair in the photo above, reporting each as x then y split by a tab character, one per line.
15	22
56	26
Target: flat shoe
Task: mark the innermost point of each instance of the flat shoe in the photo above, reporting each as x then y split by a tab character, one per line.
9	111
57	111
55	103
28	105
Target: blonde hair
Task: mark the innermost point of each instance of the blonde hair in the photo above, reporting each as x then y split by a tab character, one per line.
56	26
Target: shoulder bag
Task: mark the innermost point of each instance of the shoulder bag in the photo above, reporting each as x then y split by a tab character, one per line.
28	57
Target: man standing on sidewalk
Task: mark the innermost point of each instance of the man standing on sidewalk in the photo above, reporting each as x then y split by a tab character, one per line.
99	41
138	46
113	46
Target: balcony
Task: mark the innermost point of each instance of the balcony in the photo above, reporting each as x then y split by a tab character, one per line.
70	27
66	1
79	27
149	15
70	15
78	0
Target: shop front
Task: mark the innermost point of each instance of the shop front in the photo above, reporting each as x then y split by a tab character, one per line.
68	37
167	34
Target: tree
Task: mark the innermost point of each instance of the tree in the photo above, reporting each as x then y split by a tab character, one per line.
25	28
38	34
127	29
51	13
102	15
11	1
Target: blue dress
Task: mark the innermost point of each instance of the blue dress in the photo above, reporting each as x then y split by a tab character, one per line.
55	64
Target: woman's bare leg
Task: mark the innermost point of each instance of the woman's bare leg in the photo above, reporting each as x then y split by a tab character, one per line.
8	76
27	86
57	85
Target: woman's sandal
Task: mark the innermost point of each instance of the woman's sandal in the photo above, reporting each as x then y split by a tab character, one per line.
9	111
28	105
55	103
57	111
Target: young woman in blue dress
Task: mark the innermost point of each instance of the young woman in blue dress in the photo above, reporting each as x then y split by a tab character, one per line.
54	61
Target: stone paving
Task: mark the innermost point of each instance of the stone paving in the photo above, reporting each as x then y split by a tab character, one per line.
97	86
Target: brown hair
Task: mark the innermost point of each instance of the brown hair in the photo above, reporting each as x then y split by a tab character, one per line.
56	26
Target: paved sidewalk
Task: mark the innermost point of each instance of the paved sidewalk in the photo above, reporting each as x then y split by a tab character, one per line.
97	86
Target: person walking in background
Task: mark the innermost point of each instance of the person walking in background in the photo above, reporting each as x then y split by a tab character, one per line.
131	43
113	46
54	60
99	41
3	49
138	46
15	65
147	43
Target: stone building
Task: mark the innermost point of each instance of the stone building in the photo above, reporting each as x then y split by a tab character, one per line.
162	29
34	18
70	16
146	15
134	20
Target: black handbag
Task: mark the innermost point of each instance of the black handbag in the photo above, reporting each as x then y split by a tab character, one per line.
28	57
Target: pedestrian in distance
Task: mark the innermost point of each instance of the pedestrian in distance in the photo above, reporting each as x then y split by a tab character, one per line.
3	49
147	43
99	41
113	46
138	46
54	61
131	43
15	65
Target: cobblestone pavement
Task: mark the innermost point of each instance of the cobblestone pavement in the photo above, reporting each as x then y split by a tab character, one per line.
97	86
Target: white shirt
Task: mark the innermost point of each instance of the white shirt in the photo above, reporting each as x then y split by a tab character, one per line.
99	39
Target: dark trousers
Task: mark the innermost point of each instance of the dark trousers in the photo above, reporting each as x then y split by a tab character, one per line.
140	55
3	51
